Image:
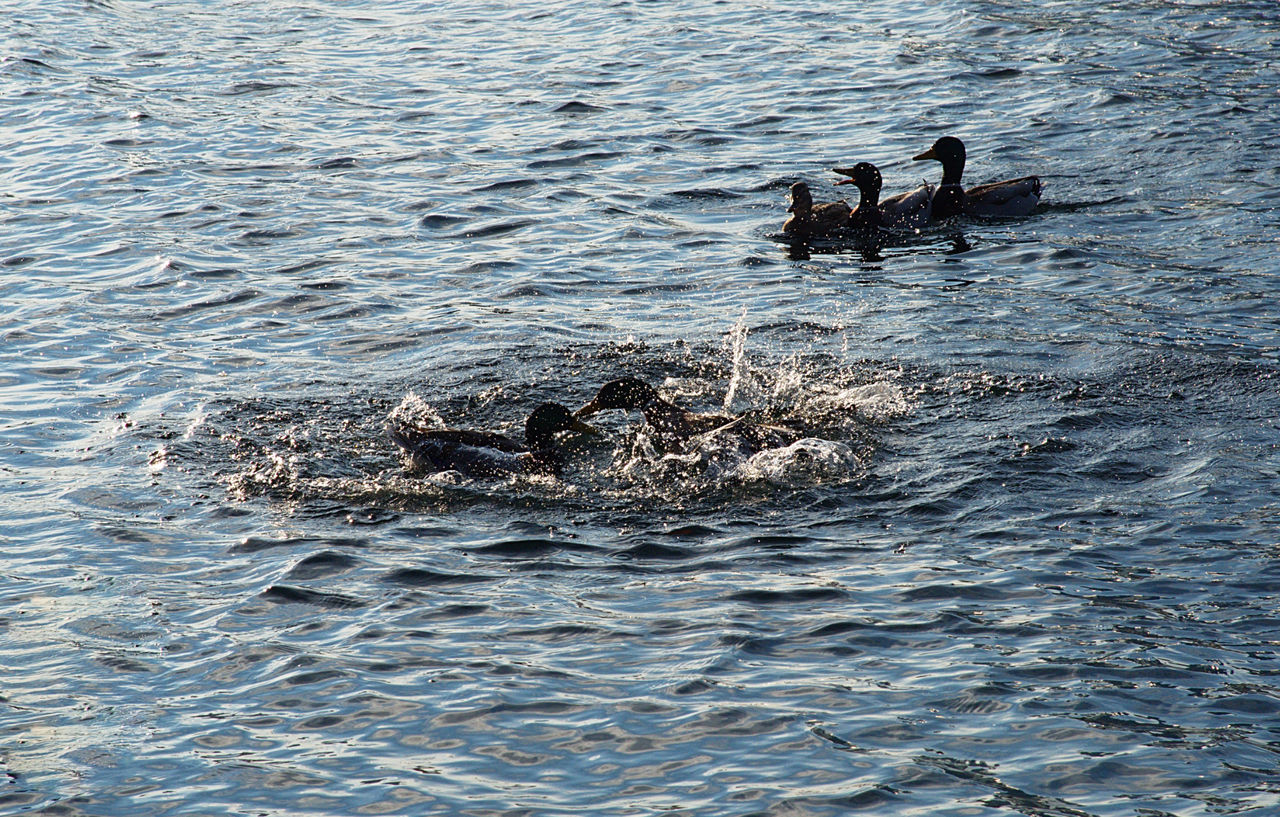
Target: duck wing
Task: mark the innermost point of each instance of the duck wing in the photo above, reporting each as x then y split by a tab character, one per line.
751	437
910	210
474	462
473	453
830	216
674	428
478	439
1014	197
761	436
448	451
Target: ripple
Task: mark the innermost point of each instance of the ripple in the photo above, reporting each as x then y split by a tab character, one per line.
441	221
288	594
800	596
576	107
1024	552
653	551
253	544
577	160
322	565
499	228
204	305
511	184
254	87
420	577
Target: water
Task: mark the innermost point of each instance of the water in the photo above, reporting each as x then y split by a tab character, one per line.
1025	562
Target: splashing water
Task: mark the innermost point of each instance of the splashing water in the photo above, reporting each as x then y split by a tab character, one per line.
415	412
807	461
877	402
741	381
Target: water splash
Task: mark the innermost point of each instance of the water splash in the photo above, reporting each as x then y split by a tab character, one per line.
809	461
833	408
742	383
336	449
413	411
877	402
271	472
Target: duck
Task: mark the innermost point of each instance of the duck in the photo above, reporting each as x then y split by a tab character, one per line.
1013	197
809	219
905	211
677	429
488	454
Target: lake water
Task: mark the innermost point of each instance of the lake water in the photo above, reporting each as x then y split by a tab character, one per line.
1028	562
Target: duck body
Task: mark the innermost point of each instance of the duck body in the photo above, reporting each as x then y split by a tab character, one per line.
809	220
1011	198
908	211
1003	199
487	454
949	201
676	430
912	210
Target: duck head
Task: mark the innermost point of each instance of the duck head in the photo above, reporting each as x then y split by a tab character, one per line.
801	200
627	394
864	175
950	152
548	420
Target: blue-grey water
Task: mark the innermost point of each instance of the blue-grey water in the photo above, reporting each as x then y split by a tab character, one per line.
1028	562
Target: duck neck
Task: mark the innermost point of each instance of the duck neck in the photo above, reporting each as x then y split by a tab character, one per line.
952	170
663	416
539	439
948	201
869	199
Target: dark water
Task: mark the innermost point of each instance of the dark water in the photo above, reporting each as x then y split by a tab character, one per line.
1025	564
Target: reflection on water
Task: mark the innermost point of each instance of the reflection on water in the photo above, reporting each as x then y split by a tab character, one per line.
1021	559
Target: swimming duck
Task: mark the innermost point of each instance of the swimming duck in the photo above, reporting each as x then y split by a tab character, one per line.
809	219
905	211
676	427
487	454
1014	197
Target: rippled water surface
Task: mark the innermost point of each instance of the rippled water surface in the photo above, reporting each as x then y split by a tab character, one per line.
1024	562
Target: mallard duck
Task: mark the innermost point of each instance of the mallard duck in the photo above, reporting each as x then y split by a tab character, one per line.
1014	197
675	428
809	219
487	454
905	211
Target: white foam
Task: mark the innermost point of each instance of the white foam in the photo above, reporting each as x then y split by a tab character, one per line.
808	460
877	402
415	412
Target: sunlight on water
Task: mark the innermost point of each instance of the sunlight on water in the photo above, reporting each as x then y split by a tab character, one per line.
977	520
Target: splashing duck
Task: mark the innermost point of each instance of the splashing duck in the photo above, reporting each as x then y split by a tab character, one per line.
487	454
677	429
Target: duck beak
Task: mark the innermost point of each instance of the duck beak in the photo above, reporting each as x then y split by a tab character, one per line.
843	181
589	409
583	428
928	154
